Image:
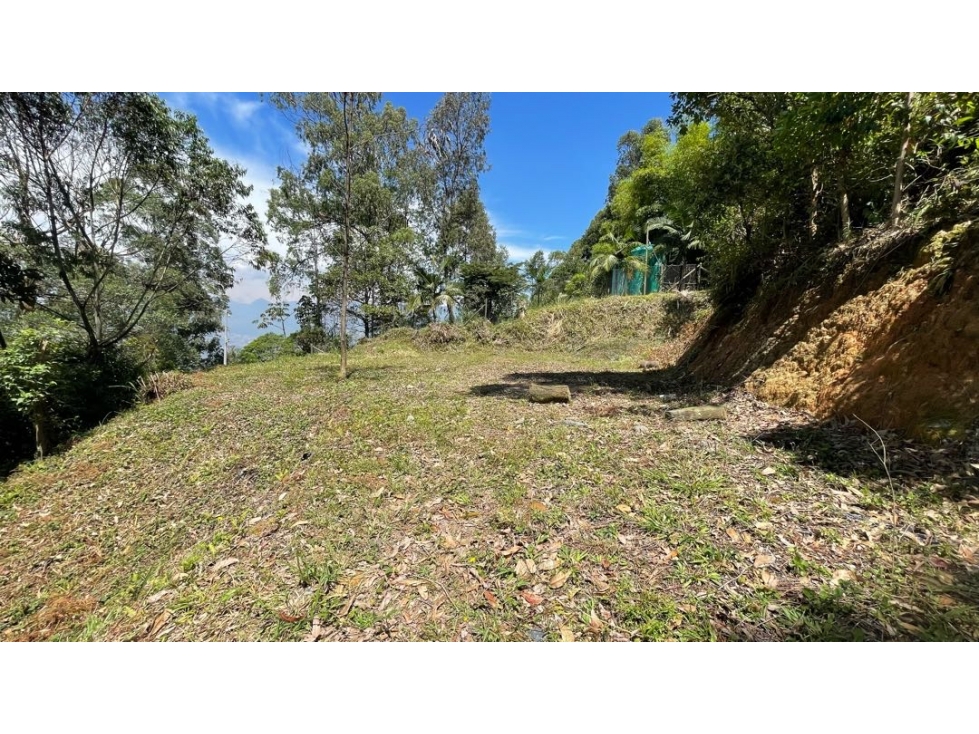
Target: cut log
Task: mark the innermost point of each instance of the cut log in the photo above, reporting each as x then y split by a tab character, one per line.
698	413
549	394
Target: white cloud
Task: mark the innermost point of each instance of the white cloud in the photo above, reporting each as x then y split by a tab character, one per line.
243	109
520	243
250	285
519	253
504	229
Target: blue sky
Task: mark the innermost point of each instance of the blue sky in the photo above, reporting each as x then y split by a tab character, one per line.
550	157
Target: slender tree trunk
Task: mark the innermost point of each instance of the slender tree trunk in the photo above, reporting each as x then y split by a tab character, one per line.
814	203
346	244
42	442
844	212
898	197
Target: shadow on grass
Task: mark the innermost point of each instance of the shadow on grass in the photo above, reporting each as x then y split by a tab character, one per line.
677	313
851	450
355	372
949	613
635	384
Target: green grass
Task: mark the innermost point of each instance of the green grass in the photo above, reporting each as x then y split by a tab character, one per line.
424	490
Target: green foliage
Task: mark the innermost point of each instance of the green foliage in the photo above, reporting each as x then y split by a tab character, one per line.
435	290
492	291
538	272
50	381
31	369
577	286
268	347
18	285
124	212
275	315
752	184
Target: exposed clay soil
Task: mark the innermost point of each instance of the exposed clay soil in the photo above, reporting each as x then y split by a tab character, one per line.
887	330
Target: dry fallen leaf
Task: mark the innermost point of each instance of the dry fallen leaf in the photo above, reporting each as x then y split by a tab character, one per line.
525	567
510	551
220	565
560	579
287	617
567	635
734	535
490	598
768	471
548	564
769	579
595	626
538	506
600	582
161	619
316	632
158	595
761	561
531	598
763	525
625	509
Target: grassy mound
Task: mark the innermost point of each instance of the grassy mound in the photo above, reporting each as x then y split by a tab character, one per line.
600	327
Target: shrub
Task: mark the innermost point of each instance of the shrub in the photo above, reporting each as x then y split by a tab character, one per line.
440	334
159	385
268	347
55	386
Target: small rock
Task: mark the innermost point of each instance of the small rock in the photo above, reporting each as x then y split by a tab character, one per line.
537	635
574	423
640	428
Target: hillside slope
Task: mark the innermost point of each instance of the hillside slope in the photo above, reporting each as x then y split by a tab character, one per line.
616	327
426	498
885	329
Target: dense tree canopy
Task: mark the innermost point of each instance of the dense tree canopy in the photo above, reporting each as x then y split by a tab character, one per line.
750	183
114	206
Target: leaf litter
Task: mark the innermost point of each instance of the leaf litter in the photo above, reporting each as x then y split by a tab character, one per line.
319	512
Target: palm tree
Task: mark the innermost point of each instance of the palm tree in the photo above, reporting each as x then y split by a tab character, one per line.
433	289
675	243
611	252
537	270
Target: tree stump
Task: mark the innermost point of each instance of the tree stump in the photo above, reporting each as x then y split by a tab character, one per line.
549	394
698	413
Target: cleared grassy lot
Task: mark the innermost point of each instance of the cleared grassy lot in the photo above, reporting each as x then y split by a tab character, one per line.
426	499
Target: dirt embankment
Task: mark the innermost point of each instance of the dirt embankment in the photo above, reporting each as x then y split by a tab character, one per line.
886	329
